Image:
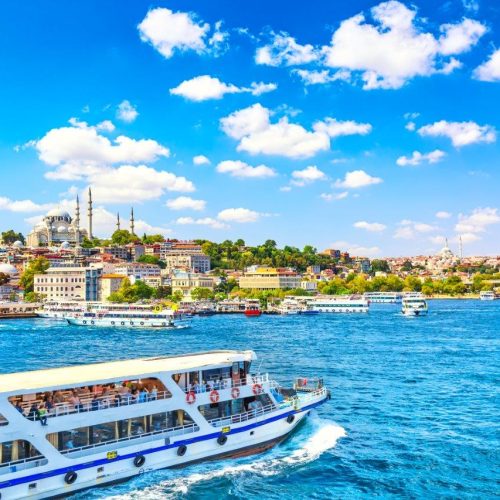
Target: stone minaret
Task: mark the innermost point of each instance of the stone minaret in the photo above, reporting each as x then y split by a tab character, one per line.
118	221
90	214
77	221
132	221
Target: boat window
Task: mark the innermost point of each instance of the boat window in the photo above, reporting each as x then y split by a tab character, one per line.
3	420
92	397
18	455
186	380
234	406
116	430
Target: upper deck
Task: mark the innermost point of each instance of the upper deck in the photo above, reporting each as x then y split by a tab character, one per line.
129	369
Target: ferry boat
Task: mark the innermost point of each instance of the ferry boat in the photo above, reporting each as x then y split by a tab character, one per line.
108	422
348	304
59	310
487	295
252	308
414	305
129	319
384	297
289	307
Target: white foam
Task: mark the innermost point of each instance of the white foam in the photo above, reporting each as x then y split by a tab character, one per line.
317	437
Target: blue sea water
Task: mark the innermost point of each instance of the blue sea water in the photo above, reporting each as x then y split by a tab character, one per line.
414	410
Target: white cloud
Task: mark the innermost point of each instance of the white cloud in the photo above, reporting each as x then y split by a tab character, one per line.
460	133
241	215
126	112
106	126
130	183
373	227
411	126
240	169
489	71
319	77
307	175
334	196
409	229
23	206
394	49
284	50
477	221
285	189
169	31
355	249
257	135
186	203
417	158
357	179
443	215
204	221
205	87
201	160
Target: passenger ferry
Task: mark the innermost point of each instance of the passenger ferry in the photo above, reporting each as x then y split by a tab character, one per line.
129	319
348	304
67	429
487	295
414	305
289	307
59	310
384	297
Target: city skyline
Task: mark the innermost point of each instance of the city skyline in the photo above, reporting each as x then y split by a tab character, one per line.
258	121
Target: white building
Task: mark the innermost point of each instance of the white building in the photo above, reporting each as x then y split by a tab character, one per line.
138	270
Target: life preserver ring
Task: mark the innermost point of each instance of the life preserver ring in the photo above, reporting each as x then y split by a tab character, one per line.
131	323
257	389
112	322
84	321
139	460
70	477
181	451
92	322
142	323
190	397
222	439
214	396
235	392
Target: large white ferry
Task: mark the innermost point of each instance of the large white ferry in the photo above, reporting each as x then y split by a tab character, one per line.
487	295
347	304
384	297
66	429
414	305
59	310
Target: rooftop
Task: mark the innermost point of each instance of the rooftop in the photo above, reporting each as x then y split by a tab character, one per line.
74	376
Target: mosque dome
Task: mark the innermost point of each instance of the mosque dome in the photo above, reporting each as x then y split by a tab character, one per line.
445	252
9	269
58	212
17	244
61	229
65	245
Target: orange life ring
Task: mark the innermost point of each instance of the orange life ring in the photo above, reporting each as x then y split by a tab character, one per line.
235	392
257	389
214	396
190	397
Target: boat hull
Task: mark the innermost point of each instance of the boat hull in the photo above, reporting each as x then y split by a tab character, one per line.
142	323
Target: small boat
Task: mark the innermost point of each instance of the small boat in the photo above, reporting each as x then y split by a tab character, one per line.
252	308
112	421
59	310
487	295
414	305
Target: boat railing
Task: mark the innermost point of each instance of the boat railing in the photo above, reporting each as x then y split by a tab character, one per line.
26	463
248	415
219	385
163	433
112	400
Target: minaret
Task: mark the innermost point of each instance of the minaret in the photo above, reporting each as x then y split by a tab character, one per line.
77	221
90	214
118	221
461	248
132	221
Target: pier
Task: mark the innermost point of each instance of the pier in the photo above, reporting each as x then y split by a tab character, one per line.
13	310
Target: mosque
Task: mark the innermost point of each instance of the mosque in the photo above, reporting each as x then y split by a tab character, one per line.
58	228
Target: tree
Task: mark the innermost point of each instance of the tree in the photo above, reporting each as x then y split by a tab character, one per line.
177	296
380	265
162	292
123	237
200	293
33	297
4	278
407	266
10	236
152	238
36	266
151	259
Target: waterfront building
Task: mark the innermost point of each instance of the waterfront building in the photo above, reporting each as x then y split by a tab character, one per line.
309	286
110	283
185	282
198	263
138	270
269	278
69	283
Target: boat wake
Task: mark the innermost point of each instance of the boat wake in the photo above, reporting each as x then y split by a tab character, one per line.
315	438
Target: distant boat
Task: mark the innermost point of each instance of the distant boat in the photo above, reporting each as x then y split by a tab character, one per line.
384	297
414	306
349	304
487	295
252	309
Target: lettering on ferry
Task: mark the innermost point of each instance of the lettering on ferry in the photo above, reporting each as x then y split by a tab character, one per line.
111	455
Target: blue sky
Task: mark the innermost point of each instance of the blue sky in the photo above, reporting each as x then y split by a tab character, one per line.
370	126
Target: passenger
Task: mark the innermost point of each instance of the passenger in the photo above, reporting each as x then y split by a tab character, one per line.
153	395
143	395
94	406
58	397
49	403
19	408
211	385
205	386
42	414
33	413
135	396
118	400
196	386
75	401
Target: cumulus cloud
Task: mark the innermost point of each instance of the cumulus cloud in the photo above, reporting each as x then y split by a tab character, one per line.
186	203
204	221
319	77
443	215
23	206
240	215
409	229
169	32
307	175
355	249
256	134
126	112
394	49
205	87
417	158
489	71
460	133
373	227
357	179
200	160
283	50
477	221
240	169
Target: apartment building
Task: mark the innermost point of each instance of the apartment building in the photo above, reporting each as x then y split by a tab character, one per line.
269	278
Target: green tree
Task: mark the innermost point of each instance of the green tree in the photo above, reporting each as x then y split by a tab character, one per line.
33	297
162	292
10	236
152	238
200	293
380	265
177	296
407	266
123	237
36	266
151	259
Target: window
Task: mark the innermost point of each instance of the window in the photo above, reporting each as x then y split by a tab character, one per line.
17	451
3	420
236	407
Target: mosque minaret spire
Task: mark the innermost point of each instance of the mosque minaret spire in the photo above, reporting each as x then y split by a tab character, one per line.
90	214
132	225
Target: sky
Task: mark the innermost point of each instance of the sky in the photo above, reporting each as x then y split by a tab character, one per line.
367	126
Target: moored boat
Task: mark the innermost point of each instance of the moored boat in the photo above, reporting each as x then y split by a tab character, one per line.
487	295
252	308
347	304
67	429
384	297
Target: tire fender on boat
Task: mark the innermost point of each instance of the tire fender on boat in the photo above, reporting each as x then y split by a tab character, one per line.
70	477
139	460
181	451
222	439
290	418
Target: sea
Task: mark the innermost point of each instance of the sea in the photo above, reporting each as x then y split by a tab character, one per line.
414	411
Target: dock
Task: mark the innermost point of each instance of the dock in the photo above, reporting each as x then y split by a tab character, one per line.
17	310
